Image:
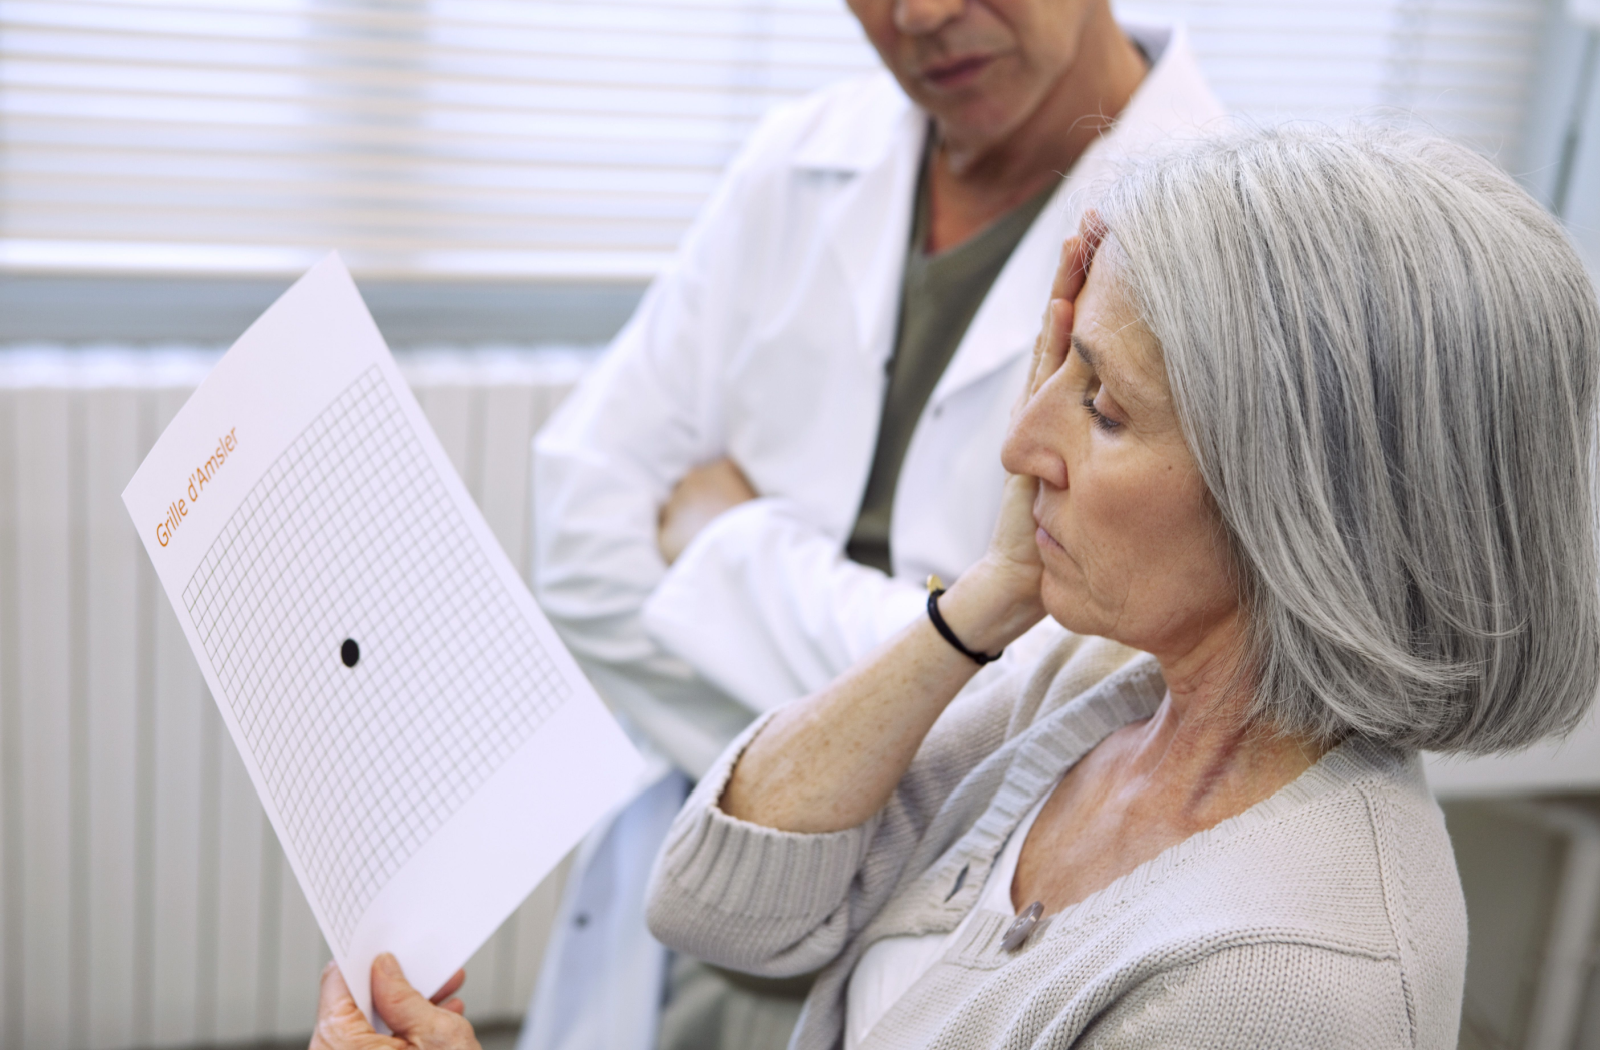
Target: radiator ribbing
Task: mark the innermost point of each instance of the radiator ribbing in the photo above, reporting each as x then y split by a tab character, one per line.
145	900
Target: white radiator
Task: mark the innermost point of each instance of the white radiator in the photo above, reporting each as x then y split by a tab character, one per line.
144	901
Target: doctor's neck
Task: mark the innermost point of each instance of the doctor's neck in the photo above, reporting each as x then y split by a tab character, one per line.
992	158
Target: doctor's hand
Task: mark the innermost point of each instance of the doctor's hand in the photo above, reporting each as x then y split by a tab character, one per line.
704	493
417	1023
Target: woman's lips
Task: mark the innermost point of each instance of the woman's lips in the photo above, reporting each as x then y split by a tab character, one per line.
957	73
1045	540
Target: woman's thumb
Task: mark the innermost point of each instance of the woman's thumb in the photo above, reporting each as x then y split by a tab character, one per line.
402	1007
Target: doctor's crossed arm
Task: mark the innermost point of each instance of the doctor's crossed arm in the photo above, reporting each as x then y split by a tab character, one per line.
696	501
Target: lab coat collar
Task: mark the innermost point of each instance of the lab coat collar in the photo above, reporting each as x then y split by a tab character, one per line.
860	136
874	145
1173	102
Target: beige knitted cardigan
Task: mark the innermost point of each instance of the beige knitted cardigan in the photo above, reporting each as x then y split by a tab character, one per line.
1329	915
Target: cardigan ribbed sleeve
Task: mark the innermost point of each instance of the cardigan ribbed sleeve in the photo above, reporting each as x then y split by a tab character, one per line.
751	898
778	903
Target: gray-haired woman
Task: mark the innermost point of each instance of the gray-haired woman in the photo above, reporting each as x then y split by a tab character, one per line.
1305	467
1305	464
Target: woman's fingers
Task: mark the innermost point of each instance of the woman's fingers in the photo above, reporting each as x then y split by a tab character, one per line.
340	1023
417	1023
1068	268
1058	288
1013	536
1077	255
1072	270
401	1006
1053	342
414	1019
333	993
450	987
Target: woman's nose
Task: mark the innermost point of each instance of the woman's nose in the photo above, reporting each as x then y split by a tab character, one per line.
1036	440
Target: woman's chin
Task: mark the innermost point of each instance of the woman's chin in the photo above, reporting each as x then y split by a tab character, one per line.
1069	606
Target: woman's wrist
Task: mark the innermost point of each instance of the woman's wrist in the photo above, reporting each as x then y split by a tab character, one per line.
991	606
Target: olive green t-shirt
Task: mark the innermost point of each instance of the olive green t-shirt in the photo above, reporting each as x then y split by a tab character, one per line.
938	298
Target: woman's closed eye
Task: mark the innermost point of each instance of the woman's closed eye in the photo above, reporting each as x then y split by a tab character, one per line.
1100	419
1095	400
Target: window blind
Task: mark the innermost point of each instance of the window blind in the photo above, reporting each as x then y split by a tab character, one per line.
1465	68
525	139
488	137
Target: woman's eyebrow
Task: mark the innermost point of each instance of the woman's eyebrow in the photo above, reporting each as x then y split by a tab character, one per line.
1124	390
1086	352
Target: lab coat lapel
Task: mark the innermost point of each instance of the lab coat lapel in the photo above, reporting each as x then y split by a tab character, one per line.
873	156
1008	318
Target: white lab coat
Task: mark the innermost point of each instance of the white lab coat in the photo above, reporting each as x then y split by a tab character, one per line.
767	342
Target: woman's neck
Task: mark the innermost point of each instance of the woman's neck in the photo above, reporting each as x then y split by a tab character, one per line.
1202	748
1150	785
1211	764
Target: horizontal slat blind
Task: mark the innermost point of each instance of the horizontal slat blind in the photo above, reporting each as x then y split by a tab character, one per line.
547	138
1462	67
513	137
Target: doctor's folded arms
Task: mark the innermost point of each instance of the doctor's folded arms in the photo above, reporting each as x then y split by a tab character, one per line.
1303	467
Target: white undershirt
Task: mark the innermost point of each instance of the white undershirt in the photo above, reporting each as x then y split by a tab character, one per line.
890	968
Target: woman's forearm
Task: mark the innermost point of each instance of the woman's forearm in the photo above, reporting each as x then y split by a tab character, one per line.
831	760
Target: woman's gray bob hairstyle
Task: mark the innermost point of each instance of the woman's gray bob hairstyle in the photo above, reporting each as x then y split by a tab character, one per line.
1383	354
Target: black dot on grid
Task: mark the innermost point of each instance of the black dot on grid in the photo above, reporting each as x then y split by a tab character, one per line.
300	541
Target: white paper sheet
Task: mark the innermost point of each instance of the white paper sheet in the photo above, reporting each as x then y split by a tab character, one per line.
300	513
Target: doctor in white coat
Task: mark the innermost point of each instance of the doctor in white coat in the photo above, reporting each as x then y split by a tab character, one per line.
696	495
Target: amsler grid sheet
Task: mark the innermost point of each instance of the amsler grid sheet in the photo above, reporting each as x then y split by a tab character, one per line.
366	553
425	748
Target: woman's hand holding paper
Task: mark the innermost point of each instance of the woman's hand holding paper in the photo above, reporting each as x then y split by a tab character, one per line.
417	1023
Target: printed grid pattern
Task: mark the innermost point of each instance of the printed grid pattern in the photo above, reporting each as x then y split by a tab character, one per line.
350	534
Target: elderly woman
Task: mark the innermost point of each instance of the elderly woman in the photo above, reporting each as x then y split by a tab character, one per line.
1304	468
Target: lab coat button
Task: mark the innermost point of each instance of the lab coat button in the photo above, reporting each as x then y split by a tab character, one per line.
1025	924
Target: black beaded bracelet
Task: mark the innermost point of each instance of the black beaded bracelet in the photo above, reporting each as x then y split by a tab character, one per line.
950	636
